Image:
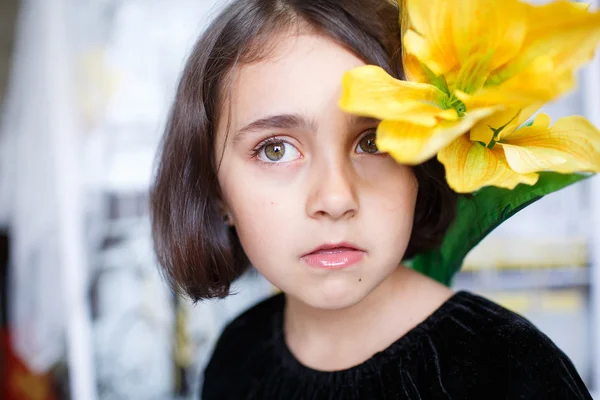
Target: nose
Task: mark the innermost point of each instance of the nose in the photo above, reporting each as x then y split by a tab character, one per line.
333	192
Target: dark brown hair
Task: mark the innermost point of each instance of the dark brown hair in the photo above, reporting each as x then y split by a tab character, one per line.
199	253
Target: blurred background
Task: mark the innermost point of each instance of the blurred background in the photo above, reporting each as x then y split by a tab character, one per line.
85	86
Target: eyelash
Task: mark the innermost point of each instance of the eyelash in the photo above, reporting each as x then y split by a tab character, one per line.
254	153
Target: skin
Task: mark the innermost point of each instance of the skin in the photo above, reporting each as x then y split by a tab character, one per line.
326	189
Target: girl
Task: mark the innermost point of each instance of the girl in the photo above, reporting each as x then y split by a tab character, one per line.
260	167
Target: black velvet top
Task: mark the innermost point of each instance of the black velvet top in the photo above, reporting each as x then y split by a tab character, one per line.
469	348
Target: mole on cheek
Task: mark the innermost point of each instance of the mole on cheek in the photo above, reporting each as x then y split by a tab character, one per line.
360	279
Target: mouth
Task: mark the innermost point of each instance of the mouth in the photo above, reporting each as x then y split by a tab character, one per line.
334	256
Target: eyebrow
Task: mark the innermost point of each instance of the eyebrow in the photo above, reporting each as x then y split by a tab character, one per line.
293	121
283	121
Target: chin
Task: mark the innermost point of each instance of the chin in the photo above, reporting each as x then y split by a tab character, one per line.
335	295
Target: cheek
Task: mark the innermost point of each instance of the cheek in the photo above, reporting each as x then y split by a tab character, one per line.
392	185
390	207
265	214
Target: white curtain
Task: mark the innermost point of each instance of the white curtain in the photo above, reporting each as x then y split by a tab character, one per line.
30	198
40	200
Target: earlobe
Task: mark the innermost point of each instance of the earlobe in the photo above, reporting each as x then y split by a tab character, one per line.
228	219
225	213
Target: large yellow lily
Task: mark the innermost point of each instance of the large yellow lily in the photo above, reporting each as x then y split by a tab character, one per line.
418	119
469	60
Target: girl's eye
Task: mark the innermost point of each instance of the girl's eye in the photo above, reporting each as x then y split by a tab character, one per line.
278	151
367	144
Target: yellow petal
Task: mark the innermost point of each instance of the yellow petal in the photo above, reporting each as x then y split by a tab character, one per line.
494	27
407	143
429	55
445	34
412	66
528	87
562	34
471	166
564	31
571	145
473	73
430	36
483	131
412	69
370	91
413	144
508	120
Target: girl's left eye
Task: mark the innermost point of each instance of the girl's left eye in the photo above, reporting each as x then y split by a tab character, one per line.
277	151
367	144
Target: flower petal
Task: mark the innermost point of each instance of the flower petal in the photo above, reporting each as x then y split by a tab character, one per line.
407	143
413	144
507	120
413	71
445	34
494	27
471	166
561	36
430	36
370	91
572	144
565	31
528	87
473	73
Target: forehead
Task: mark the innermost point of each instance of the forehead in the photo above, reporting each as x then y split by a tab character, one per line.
303	75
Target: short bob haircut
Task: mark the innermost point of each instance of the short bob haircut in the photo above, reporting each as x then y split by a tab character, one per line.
200	255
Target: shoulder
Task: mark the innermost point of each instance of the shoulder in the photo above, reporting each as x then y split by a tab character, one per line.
247	331
501	346
491	321
243	341
483	323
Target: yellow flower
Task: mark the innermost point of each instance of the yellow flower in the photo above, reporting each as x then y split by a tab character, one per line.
497	152
501	50
418	119
472	62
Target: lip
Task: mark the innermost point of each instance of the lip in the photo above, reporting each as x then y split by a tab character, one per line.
334	256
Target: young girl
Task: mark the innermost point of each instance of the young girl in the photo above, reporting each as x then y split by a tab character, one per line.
260	167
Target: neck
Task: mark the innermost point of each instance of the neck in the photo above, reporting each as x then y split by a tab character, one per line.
338	339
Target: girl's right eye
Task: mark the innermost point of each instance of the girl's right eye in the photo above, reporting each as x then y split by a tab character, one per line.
277	151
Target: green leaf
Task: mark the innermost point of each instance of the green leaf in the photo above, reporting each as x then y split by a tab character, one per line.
479	214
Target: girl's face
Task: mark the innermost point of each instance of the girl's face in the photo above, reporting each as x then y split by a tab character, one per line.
319	212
